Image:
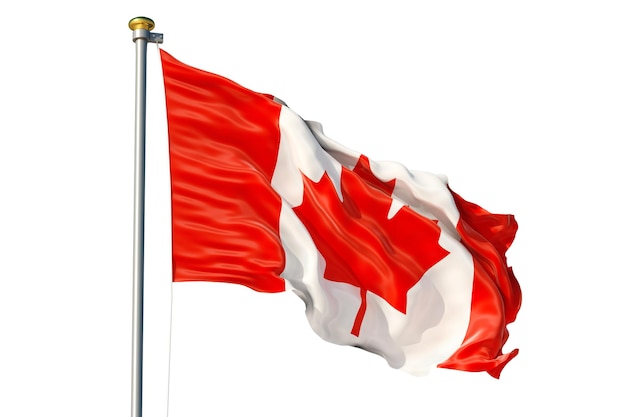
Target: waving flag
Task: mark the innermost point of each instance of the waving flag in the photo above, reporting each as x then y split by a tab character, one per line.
384	258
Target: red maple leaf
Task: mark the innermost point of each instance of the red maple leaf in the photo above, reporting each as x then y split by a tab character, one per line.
361	246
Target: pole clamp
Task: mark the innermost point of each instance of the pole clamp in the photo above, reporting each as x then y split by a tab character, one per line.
147	35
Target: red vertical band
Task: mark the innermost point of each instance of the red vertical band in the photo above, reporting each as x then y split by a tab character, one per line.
223	147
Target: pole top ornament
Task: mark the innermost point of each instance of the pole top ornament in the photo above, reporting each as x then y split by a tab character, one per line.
141	23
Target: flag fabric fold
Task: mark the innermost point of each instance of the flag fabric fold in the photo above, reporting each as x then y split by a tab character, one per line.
385	258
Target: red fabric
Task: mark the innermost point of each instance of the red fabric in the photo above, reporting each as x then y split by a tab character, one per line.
496	296
223	148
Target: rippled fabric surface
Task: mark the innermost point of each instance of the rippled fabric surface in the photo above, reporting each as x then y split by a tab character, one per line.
224	211
384	258
487	236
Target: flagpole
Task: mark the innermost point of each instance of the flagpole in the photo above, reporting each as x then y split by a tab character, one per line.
141	27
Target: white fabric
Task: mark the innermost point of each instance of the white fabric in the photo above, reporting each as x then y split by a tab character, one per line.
438	306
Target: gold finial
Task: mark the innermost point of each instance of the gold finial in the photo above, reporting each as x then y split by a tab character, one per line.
141	23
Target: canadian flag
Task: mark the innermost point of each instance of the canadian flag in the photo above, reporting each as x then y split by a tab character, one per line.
384	258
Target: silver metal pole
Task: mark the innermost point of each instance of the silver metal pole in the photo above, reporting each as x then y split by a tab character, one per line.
141	27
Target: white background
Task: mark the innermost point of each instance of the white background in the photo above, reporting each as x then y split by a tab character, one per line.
521	104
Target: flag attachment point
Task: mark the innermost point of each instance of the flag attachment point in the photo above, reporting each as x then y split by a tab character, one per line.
141	27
